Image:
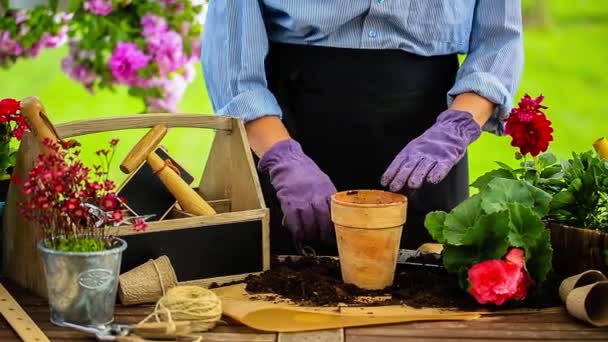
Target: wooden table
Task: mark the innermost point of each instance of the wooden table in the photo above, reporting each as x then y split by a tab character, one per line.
547	326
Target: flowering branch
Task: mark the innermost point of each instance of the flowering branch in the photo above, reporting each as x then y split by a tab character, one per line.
73	209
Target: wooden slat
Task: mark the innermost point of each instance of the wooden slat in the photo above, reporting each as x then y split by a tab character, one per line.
333	335
115	123
238	337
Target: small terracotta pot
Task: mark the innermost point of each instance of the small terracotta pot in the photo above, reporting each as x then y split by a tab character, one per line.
368	226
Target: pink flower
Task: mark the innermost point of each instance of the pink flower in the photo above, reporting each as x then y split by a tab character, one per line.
497	281
173	90
78	72
99	7
153	25
8	46
126	60
21	16
168	51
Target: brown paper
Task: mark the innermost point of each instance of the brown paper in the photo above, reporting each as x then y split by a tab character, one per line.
271	316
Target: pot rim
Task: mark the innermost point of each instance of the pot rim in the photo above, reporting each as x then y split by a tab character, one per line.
402	199
118	249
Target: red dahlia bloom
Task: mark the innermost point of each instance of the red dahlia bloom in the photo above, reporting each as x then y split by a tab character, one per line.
528	127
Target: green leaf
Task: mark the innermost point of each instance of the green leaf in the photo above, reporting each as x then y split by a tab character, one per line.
501	191
504	166
490	235
459	258
461	218
539	257
434	223
481	182
547	159
526	226
552	171
562	199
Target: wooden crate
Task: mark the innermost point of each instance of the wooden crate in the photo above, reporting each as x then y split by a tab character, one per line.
226	246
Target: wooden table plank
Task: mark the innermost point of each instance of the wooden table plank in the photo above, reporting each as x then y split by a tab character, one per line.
544	326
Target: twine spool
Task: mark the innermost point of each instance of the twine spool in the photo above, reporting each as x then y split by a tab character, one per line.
148	282
198	305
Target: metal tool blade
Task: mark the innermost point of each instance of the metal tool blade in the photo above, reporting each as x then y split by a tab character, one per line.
406	254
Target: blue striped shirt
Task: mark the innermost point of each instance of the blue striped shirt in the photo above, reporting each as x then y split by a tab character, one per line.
237	34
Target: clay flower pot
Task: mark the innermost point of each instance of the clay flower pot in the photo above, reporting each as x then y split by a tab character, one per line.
368	227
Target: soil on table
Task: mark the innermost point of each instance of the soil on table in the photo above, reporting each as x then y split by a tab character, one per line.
309	281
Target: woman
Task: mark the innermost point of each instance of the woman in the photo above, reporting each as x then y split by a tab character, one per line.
341	95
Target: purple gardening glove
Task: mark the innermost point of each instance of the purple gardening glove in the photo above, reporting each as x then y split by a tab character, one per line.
302	189
431	156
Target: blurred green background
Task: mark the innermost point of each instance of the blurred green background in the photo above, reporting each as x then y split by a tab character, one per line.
566	52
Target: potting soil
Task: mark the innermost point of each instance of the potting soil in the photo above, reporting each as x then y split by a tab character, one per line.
309	281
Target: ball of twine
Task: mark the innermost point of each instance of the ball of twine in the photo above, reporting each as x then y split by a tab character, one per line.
201	306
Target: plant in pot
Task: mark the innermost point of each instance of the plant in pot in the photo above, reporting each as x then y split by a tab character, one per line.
578	210
12	125
75	209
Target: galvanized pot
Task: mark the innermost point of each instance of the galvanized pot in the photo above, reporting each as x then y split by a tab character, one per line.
82	286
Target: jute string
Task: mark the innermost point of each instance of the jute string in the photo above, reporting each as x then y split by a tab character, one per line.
198	305
168	164
160	278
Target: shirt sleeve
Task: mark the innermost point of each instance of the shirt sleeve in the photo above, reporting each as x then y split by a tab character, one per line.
494	63
234	48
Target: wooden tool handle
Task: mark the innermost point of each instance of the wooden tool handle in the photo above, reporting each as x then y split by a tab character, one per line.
35	115
144	147
190	201
601	147
162	329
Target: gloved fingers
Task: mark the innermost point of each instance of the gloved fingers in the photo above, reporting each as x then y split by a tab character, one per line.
391	172
294	224
323	214
404	173
420	173
438	173
309	222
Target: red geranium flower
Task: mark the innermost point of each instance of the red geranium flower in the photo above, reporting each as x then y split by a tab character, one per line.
497	281
529	127
9	106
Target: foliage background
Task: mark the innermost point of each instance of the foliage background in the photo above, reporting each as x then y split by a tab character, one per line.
565	59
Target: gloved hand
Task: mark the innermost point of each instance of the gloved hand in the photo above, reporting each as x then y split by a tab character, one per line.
302	189
431	156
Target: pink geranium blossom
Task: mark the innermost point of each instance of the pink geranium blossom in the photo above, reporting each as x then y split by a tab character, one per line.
126	61
99	7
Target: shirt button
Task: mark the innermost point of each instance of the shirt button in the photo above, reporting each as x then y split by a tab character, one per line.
379	1
372	34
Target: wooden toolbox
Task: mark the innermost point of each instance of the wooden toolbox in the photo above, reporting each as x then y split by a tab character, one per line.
224	246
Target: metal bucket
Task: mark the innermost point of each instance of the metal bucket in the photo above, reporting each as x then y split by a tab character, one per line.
82	286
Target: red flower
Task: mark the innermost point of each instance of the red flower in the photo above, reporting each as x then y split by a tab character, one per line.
114	142
117	215
528	126
72	204
140	225
110	202
9	106
497	281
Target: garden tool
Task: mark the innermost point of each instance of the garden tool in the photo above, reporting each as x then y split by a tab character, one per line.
140	332
35	115
190	201
601	147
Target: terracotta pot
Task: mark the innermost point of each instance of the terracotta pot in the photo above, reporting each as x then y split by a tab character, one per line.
576	250
368	226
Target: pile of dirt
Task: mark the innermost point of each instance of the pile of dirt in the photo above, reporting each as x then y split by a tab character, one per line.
317	281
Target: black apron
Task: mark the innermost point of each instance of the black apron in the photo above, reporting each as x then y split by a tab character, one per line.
353	110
